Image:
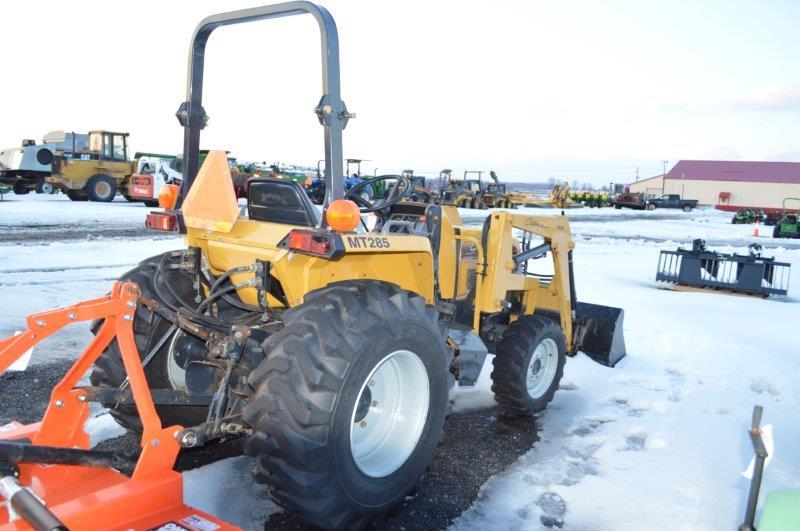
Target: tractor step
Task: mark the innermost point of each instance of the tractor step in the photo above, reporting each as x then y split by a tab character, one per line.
472	354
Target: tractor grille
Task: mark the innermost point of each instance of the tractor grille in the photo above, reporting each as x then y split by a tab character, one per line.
752	273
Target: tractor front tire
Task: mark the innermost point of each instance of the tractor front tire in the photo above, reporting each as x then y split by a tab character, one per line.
349	403
148	328
528	365
101	188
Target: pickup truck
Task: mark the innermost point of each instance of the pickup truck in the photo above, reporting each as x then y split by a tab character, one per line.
671	201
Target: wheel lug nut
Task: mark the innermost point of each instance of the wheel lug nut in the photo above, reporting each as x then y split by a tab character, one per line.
363	424
374	403
371	383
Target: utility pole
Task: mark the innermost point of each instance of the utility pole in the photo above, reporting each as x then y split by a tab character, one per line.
664	162
637	174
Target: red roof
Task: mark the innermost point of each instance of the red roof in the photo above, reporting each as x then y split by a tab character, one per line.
724	170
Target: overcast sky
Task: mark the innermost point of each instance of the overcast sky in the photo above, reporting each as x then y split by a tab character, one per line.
571	90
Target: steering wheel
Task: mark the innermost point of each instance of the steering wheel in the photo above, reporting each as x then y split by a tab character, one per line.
399	190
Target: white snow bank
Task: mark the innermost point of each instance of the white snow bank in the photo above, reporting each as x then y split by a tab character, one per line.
226	489
38	209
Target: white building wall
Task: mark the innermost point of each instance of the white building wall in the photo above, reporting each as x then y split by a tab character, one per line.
651	186
743	194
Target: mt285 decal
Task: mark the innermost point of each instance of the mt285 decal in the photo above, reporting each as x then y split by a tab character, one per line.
366	242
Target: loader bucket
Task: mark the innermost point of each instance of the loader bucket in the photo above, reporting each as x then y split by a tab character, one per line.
598	332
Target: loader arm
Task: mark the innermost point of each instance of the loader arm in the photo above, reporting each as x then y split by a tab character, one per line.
502	272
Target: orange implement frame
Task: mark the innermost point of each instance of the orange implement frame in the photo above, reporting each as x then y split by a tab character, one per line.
90	497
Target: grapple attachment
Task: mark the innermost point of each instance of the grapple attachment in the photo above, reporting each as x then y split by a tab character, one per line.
598	332
699	267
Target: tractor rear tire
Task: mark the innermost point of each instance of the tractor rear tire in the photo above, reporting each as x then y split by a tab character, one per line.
76	195
109	371
528	365
101	188
321	438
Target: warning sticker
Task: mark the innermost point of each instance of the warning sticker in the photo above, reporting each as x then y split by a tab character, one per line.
190	523
169	526
199	523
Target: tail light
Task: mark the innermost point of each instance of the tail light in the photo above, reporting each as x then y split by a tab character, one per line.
166	221
315	243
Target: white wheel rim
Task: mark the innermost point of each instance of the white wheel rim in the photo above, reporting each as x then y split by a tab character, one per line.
102	189
175	373
542	368
389	414
47	188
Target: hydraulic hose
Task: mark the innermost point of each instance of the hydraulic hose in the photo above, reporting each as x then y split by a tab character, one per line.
214	295
233	301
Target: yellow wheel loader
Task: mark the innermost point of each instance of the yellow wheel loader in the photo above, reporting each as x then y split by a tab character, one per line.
330	339
96	173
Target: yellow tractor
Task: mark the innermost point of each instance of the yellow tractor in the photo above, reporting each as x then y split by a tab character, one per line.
97	173
330	338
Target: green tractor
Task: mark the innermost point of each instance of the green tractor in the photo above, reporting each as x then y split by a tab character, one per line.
748	216
788	226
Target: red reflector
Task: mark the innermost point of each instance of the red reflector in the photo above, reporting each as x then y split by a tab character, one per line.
308	242
161	221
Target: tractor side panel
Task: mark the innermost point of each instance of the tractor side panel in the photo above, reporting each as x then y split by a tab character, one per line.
402	260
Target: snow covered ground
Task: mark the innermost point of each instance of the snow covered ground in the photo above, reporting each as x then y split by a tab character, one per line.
660	438
657	442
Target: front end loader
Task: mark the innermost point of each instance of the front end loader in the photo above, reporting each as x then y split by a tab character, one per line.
329	340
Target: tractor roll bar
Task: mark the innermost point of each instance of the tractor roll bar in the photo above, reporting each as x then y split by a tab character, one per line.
330	110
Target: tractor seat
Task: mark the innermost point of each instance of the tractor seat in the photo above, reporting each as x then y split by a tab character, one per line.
278	201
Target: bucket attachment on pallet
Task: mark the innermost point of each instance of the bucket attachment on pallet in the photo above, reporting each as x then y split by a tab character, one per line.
598	332
699	267
49	476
